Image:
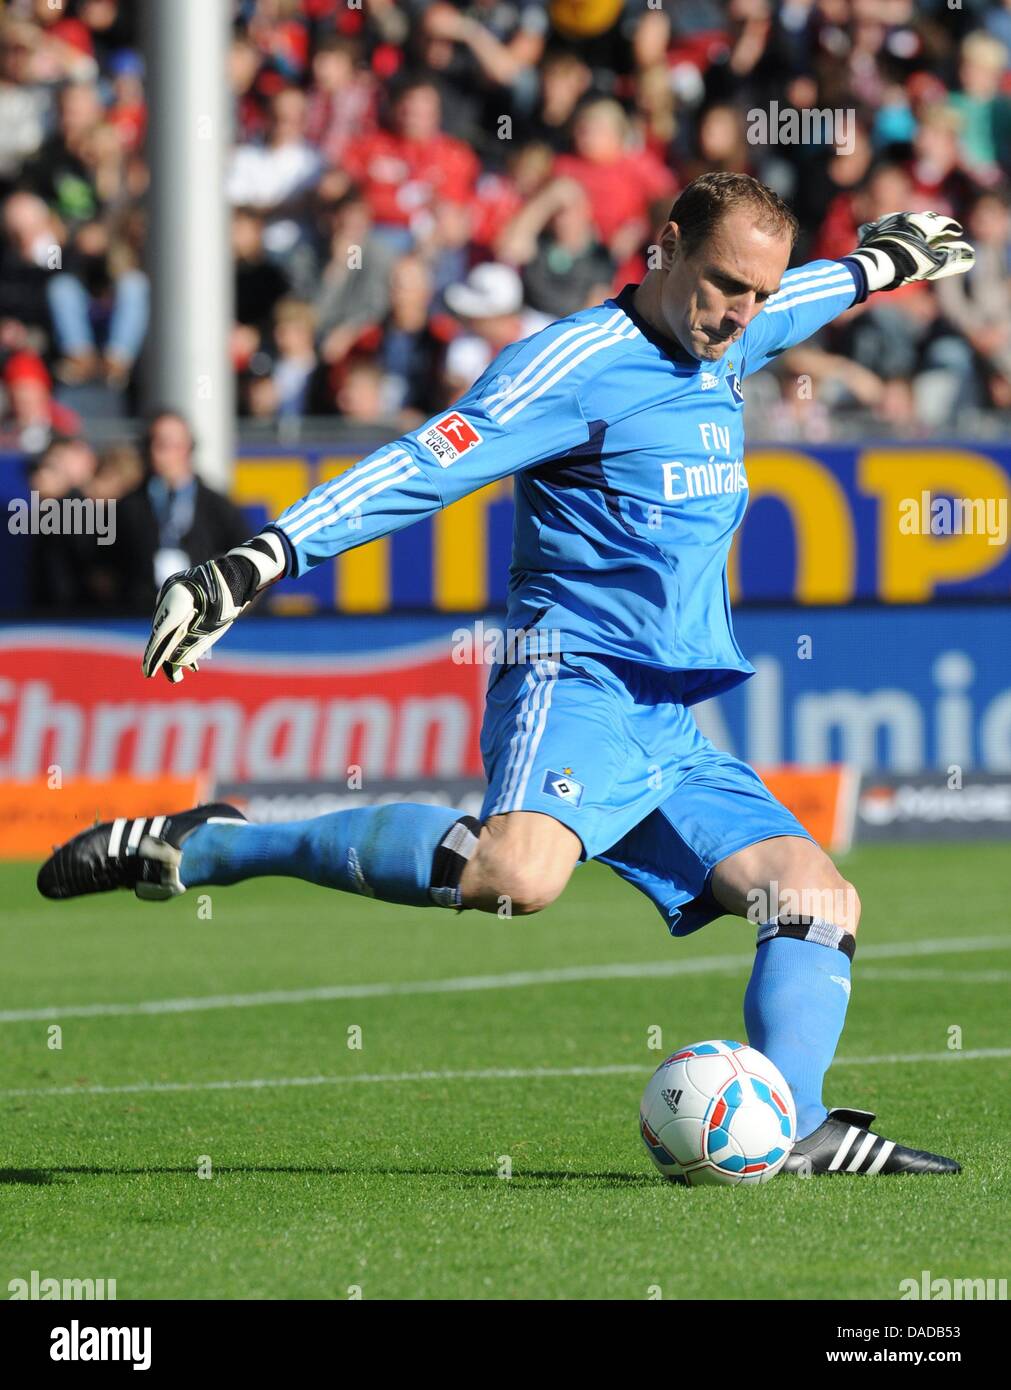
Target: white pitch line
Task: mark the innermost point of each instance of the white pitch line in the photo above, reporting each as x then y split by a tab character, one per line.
971	1054
957	977
264	1083
931	946
267	1083
465	984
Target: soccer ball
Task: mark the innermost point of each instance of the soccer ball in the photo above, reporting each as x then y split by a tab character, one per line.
718	1112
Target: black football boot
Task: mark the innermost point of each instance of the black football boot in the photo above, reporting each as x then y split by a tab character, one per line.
845	1143
141	853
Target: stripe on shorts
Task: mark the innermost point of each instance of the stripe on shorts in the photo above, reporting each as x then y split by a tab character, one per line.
531	719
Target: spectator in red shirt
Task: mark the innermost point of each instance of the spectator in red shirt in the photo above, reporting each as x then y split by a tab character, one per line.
501	196
32	415
282	37
620	183
128	113
250	115
407	170
341	99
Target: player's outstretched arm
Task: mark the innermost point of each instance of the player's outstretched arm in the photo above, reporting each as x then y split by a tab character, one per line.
896	250
905	247
523	410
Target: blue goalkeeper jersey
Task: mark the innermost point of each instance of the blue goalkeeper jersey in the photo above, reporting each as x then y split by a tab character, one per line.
630	479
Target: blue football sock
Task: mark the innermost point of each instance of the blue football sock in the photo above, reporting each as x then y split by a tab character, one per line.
794	1010
385	852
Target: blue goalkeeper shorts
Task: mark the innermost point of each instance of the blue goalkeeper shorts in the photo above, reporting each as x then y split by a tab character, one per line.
599	745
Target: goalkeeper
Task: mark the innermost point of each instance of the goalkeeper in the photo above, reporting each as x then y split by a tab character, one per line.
624	427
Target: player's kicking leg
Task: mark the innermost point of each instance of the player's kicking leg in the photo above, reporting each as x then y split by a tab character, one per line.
410	854
516	860
796	1000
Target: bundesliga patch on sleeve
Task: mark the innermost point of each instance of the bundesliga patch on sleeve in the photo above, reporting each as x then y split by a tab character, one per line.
564	786
448	438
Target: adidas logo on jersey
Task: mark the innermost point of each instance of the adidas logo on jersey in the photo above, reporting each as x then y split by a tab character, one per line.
708	382
682	481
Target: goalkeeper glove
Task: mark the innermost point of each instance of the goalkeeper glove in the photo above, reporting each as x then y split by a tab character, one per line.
197	606
909	246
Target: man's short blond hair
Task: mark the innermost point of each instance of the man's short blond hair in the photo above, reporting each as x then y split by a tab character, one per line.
703	204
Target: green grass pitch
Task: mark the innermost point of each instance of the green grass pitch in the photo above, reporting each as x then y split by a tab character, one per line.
379	1167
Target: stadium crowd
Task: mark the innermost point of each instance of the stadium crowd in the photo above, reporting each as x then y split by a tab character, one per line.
415	185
